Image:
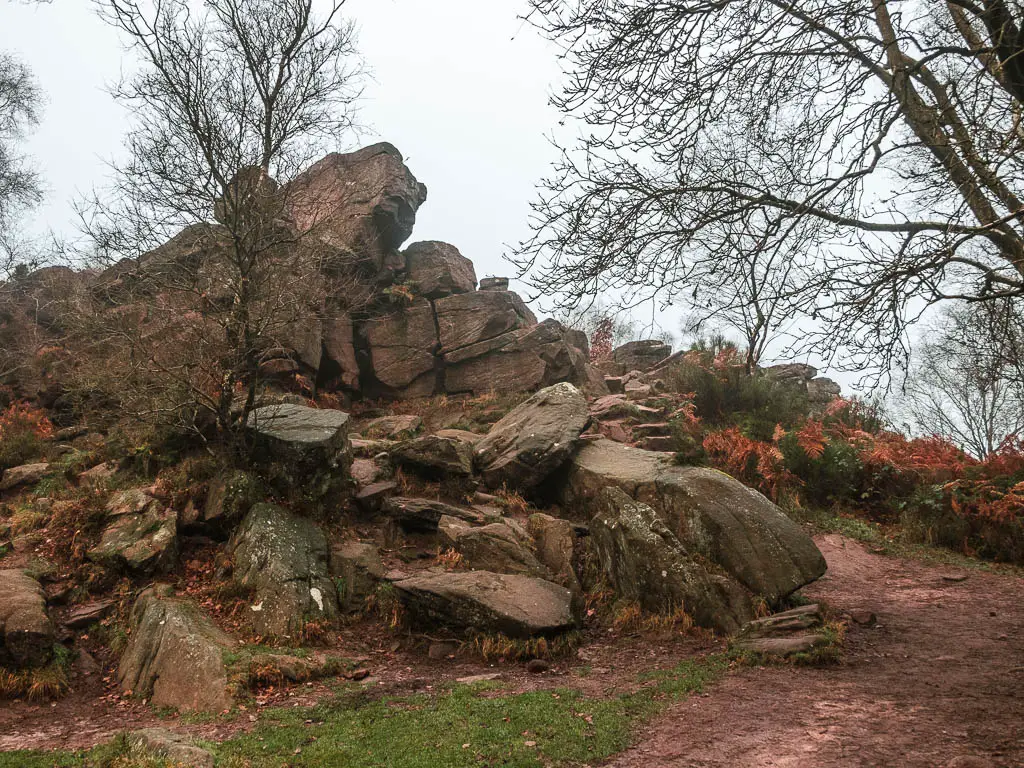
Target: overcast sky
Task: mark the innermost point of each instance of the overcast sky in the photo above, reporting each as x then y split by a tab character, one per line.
459	86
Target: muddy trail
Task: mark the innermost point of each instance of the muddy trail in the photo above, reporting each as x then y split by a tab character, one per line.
938	682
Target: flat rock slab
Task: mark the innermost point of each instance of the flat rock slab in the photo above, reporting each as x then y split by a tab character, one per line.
479	601
175	655
26	474
521	450
301	426
175	747
423	515
26	634
435	457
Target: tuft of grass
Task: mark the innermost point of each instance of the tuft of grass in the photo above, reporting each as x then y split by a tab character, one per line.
385	604
38	684
498	647
451	559
631	617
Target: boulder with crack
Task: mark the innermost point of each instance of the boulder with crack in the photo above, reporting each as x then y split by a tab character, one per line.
497	547
284	558
480	601
646	563
175	655
534	439
713	515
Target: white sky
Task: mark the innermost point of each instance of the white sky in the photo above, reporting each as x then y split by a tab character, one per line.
459	86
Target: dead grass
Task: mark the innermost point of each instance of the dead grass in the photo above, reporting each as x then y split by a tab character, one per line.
451	559
631	618
498	647
39	684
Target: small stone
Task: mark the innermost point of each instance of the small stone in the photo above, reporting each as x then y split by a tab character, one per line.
479	678
863	617
442	649
537	666
954	577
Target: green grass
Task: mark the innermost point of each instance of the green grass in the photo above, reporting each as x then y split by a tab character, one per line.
465	726
893	541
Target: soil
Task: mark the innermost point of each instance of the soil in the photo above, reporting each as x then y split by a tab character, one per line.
934	683
938	681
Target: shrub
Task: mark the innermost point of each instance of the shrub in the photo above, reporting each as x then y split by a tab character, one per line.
23	432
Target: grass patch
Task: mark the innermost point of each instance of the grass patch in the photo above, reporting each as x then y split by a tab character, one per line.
464	726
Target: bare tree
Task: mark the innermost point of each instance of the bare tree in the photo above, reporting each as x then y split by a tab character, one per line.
226	101
967	383
20	186
885	134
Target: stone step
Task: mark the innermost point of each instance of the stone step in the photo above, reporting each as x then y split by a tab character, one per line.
664	443
652	429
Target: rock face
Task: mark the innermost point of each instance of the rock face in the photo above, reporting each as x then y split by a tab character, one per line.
471	318
534	439
175	657
646	563
517	606
363	201
304	451
284	558
26	634
713	515
141	537
438	269
640	355
402	346
820	390
228	498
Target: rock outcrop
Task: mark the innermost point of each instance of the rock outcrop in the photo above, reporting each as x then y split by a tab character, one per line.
646	563
713	515
175	655
640	355
435	457
284	559
820	390
497	547
26	633
534	439
438	269
479	601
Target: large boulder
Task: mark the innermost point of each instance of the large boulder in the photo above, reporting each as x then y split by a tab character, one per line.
141	535
479	601
436	457
364	202
26	633
401	347
520	361
646	563
640	355
469	318
534	439
175	655
438	269
284	558
713	515
304	452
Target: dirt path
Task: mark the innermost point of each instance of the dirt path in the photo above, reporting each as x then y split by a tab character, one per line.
940	681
